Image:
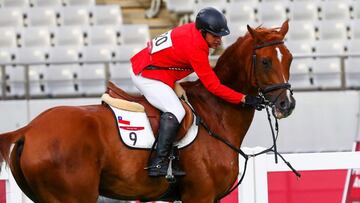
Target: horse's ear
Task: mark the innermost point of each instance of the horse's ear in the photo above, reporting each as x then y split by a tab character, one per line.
284	28
253	33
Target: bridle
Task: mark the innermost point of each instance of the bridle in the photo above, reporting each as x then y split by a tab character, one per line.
269	88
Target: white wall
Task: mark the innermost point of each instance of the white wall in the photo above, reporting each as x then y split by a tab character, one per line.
321	121
13	115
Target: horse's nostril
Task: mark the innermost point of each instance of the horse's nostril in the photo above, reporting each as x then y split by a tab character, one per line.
283	105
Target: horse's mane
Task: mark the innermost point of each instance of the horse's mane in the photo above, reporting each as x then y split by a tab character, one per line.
266	33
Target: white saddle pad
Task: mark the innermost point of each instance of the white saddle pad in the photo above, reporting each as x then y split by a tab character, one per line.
135	130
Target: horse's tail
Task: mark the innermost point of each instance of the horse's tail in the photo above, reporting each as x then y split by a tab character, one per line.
6	140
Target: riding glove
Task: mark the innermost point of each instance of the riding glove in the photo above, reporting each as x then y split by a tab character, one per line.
256	102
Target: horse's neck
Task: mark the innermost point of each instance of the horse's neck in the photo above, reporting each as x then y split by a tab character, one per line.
233	68
228	120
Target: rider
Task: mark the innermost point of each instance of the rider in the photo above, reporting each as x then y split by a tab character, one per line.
171	57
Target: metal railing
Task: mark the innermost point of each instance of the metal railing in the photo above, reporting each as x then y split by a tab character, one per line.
4	80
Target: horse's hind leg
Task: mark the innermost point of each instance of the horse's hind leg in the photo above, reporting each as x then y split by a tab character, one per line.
56	188
61	178
53	188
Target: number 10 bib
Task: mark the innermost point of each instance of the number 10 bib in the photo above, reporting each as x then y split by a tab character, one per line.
161	42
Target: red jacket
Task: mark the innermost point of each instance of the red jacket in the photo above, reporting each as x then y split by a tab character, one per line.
186	49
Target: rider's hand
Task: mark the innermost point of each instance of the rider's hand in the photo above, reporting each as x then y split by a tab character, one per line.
256	102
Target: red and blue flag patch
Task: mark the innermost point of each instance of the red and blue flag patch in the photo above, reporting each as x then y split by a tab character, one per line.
122	121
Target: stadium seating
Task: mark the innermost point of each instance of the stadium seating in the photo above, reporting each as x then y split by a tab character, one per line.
1	78
329	47
72	36
8	37
35	37
300	47
332	30
11	17
40	16
120	75
301	30
79	2
31	55
134	34
236	30
218	4
64	54
106	15
74	15
59	80
356	9
102	35
97	53
7	56
15	77
124	52
36	76
272	12
91	79
303	11
335	10
355	29
352	72
184	6
327	73
245	1
353	46
300	73
15	3
240	13
46	3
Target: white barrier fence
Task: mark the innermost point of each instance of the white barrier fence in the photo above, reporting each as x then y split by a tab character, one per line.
254	188
12	192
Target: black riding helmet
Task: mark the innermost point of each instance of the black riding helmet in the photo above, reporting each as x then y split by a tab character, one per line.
211	20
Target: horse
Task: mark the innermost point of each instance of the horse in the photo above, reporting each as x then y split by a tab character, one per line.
74	154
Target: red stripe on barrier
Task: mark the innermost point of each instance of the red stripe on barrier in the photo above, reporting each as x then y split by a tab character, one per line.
324	186
353	188
231	198
2	191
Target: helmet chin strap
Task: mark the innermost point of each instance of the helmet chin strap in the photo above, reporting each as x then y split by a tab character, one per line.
203	33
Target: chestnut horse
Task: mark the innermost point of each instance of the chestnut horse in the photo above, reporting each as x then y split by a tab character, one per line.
74	154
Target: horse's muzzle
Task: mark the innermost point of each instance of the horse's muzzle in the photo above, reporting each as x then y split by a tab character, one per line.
284	105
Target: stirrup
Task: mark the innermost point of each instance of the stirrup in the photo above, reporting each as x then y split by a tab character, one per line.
169	174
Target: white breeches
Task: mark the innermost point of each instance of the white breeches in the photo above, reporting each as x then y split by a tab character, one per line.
159	95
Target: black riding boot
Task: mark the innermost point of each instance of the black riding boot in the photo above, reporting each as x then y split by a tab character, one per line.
167	133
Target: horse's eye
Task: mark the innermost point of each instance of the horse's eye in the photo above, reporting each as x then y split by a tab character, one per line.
266	62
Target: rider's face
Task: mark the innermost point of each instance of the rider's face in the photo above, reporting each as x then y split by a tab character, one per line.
213	41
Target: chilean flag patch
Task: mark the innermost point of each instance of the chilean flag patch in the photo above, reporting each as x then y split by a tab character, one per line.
122	121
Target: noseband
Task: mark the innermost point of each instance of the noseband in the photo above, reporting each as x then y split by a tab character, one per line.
269	88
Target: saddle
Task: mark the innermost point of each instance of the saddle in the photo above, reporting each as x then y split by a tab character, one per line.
152	112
